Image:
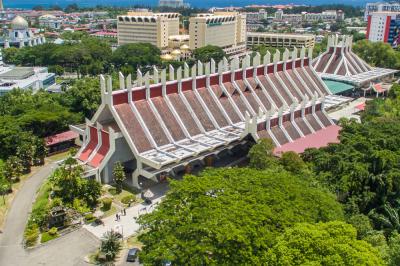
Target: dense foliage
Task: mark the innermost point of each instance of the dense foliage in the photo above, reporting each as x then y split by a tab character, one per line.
26	118
206	53
68	184
87	56
364	169
231	216
332	243
130	57
377	54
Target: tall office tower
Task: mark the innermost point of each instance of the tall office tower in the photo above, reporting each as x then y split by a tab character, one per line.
147	27
224	29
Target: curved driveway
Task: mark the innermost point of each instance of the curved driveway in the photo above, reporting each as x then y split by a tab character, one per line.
67	250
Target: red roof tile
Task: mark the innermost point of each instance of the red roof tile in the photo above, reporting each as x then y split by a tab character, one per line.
62	137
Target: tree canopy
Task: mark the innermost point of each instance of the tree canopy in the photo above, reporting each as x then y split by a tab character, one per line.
130	57
206	53
364	168
332	243
377	54
230	216
25	117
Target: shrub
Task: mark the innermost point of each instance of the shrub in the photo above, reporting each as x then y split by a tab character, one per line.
56	202
46	236
31	234
106	204
53	231
80	206
112	191
127	199
89	218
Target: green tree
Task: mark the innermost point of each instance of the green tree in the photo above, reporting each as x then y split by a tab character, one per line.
394	249
261	154
377	54
136	55
332	243
5	187
204	54
230	216
13	168
119	175
363	169
83	96
91	192
292	162
110	245
40	151
68	184
25	154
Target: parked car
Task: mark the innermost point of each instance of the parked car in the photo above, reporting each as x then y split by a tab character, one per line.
132	254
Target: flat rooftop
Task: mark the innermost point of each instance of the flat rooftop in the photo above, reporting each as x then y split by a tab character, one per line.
281	35
18	73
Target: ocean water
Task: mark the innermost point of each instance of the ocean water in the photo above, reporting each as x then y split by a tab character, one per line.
194	3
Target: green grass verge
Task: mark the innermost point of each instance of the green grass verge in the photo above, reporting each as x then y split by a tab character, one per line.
111	211
47	237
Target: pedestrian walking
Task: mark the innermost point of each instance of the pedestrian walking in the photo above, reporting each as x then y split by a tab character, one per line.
124	212
116	216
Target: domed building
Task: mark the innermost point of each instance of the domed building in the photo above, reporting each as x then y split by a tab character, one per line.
19	35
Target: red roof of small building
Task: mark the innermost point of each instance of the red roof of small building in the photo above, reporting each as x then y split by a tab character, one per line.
62	137
318	139
361	107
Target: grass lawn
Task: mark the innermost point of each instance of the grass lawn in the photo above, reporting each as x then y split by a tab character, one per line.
124	193
47	237
58	157
42	197
9	197
113	210
118	197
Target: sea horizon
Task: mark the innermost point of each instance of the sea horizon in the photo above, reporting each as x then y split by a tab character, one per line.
28	4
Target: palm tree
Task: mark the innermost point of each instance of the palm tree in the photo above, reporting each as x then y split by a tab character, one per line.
386	217
110	245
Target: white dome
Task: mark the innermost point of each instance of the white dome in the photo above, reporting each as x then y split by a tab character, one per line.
19	23
176	52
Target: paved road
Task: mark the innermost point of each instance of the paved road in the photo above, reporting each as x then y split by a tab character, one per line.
67	250
18	214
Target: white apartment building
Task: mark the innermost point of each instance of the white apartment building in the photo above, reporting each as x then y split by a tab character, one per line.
50	21
380	7
327	15
256	17
147	27
224	29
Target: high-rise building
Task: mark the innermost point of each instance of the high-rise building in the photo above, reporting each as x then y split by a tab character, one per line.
384	27
224	29
147	27
380	7
1	5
